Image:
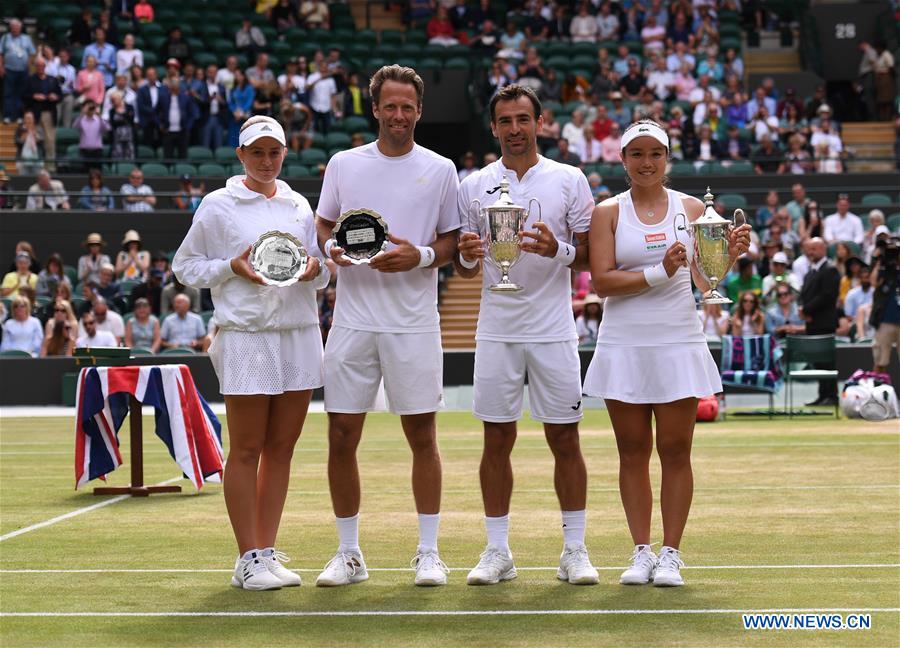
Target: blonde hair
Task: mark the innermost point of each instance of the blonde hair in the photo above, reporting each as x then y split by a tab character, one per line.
258	119
70	312
21	299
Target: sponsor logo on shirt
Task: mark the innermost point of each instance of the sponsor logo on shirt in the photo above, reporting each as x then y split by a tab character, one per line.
655	241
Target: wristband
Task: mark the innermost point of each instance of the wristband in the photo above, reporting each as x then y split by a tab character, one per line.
426	256
468	265
565	253
328	245
656	275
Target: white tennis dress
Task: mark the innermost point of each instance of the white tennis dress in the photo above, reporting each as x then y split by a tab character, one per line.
269	340
650	345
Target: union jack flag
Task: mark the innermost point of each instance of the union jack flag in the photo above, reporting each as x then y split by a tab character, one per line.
184	421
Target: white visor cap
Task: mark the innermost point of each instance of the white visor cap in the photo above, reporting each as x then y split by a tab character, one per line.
645	130
267	128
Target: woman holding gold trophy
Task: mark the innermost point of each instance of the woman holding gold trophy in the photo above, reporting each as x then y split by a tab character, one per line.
248	243
651	358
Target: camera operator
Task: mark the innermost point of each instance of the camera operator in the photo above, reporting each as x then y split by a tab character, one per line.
885	316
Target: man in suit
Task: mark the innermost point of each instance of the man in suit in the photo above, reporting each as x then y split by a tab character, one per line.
178	112
819	297
150	98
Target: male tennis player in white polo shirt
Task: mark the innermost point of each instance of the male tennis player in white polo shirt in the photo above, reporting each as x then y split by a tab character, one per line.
531	332
385	318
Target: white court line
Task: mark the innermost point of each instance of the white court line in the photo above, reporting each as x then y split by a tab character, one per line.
71	514
426	613
458	569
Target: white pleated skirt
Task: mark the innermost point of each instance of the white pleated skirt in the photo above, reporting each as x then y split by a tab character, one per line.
652	374
268	362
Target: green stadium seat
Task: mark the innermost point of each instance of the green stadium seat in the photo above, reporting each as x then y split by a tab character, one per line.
155	170
212	170
124	168
417	37
140	351
14	353
224	154
368	137
391	36
742	166
207	315
66	136
296	171
313	156
682	168
184	168
366	37
355	124
72	273
732	201
876	200
204	58
199	153
456	63
336	150
893	222
178	351
335	139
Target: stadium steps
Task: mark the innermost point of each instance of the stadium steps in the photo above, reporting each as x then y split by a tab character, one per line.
772	61
459	307
8	147
869	140
379	17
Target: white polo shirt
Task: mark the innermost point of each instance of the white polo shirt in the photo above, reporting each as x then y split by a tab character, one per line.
542	312
225	224
416	196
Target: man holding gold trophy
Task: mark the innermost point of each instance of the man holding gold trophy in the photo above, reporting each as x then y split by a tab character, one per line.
526	324
387	217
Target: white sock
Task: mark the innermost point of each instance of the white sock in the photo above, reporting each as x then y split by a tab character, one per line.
498	531
428	531
573	523
250	554
348	533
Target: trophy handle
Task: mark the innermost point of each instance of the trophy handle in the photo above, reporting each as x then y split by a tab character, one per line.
739	217
476	204
680	224
540	211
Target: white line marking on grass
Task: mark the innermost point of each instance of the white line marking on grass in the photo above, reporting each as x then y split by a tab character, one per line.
409	569
426	613
71	514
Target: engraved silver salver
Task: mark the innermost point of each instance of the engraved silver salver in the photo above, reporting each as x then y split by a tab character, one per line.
362	234
279	258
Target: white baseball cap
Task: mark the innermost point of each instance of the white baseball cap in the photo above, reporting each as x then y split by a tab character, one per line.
780	257
882	229
264	128
648	129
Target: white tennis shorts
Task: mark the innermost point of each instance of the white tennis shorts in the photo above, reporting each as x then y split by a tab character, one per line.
554	381
411	364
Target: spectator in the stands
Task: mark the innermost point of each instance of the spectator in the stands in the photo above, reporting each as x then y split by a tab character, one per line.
680	57
843	225
108	287
60	331
30	141
574	130
151	98
684	83
47	193
188	196
284	16
172	290
143	329
549	130
95	196
104	53
793	123
137	196
564	155
607	23
588	322
711	67
827	140
797	159
89	264
789	237
17	50
42	94
315	14
595	182
143	11
797	205
128	56
132	263
680	30
811	223
22	331
513	40
714	321
653	36
322	97
584	27
259	75
735	147
779	274
267	98
65	73
178	119
748	317
705	148
487	40
81	28
213	109
849	266
176	47
761	99
151	290
611	146
440	29
107	320
6	200
858	304
91	128
183	328
91	335
590	149
121	122
660	81
249	39
619	113
767	158
734	64
790	99
762	123
21	277
876	220
743	280
51	276
468	165
633	83
783	317
240	103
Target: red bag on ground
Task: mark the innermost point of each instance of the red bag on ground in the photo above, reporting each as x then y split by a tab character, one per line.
708	408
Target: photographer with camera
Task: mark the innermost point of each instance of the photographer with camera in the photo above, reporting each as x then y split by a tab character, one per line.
885	316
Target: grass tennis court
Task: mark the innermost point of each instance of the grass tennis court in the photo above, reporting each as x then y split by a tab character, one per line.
772	500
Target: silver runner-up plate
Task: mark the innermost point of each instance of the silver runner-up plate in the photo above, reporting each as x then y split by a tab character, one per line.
362	234
279	258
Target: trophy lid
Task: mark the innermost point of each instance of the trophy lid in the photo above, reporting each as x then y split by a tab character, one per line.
504	201
710	216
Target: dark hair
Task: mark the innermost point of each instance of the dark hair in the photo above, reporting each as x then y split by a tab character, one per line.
398	73
513	92
55	258
665	178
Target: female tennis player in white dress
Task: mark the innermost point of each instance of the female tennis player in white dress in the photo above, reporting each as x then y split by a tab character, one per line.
267	353
651	359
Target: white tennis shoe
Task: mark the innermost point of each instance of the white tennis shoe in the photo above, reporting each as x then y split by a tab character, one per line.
253	573
575	566
643	566
668	572
346	568
273	559
494	566
430	569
